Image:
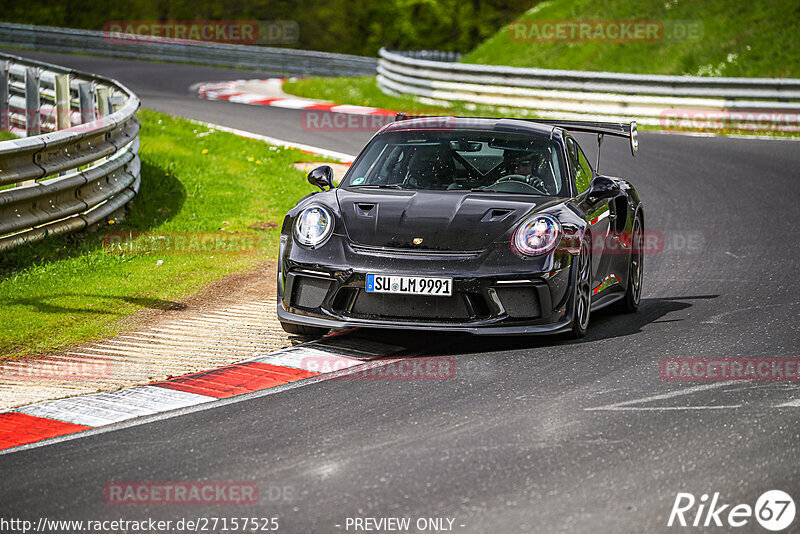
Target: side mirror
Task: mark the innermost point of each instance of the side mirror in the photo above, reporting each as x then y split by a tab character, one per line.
322	177
602	187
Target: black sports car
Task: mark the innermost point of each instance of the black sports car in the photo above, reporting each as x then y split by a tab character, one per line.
488	226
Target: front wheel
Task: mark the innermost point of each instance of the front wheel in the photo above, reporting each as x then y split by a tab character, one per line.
303	330
582	298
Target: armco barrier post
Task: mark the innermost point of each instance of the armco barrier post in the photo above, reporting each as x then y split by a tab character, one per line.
103	104
5	117
63	104
33	108
86	99
116	101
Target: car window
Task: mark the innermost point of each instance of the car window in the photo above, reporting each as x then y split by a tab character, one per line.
582	169
461	160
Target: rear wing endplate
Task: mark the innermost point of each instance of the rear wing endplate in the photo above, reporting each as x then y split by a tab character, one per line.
617	129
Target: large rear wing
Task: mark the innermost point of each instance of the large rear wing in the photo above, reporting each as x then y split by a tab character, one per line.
616	129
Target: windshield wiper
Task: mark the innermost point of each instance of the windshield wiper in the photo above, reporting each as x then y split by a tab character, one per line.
479	190
381	186
487	190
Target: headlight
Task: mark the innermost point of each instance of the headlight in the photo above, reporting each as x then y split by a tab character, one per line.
536	235
313	226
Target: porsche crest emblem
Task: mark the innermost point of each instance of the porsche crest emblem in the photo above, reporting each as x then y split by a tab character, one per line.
417	241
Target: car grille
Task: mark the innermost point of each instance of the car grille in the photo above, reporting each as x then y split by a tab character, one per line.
309	292
410	307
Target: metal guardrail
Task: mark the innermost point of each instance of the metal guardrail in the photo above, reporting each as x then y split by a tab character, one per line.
280	61
579	94
63	177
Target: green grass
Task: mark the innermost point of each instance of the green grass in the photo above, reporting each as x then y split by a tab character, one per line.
751	39
69	289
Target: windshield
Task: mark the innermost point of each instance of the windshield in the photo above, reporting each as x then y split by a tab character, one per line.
461	160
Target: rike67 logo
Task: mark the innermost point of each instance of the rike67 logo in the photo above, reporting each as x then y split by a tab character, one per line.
774	510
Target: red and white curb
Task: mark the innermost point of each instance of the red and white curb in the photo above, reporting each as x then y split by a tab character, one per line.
307	363
231	92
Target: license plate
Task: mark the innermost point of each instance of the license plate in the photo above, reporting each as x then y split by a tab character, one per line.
410	285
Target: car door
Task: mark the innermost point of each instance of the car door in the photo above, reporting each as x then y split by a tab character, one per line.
598	214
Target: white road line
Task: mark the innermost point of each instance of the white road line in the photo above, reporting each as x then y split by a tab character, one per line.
665	408
791	404
625	405
280	142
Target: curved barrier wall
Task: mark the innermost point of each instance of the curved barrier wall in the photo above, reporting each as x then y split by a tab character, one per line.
648	99
79	163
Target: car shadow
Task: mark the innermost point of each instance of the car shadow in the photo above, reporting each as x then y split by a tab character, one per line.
605	324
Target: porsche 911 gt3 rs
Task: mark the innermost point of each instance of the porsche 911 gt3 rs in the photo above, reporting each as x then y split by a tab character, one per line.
487	226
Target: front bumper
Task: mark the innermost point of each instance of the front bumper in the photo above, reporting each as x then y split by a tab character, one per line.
494	292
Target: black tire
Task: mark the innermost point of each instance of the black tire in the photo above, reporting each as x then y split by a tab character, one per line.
633	293
582	296
303	330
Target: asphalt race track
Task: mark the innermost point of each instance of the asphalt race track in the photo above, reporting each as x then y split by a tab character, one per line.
531	434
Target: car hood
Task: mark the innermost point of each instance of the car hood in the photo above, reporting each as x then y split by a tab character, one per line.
442	220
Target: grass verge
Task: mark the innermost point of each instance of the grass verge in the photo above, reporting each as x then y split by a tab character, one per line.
750	39
197	184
